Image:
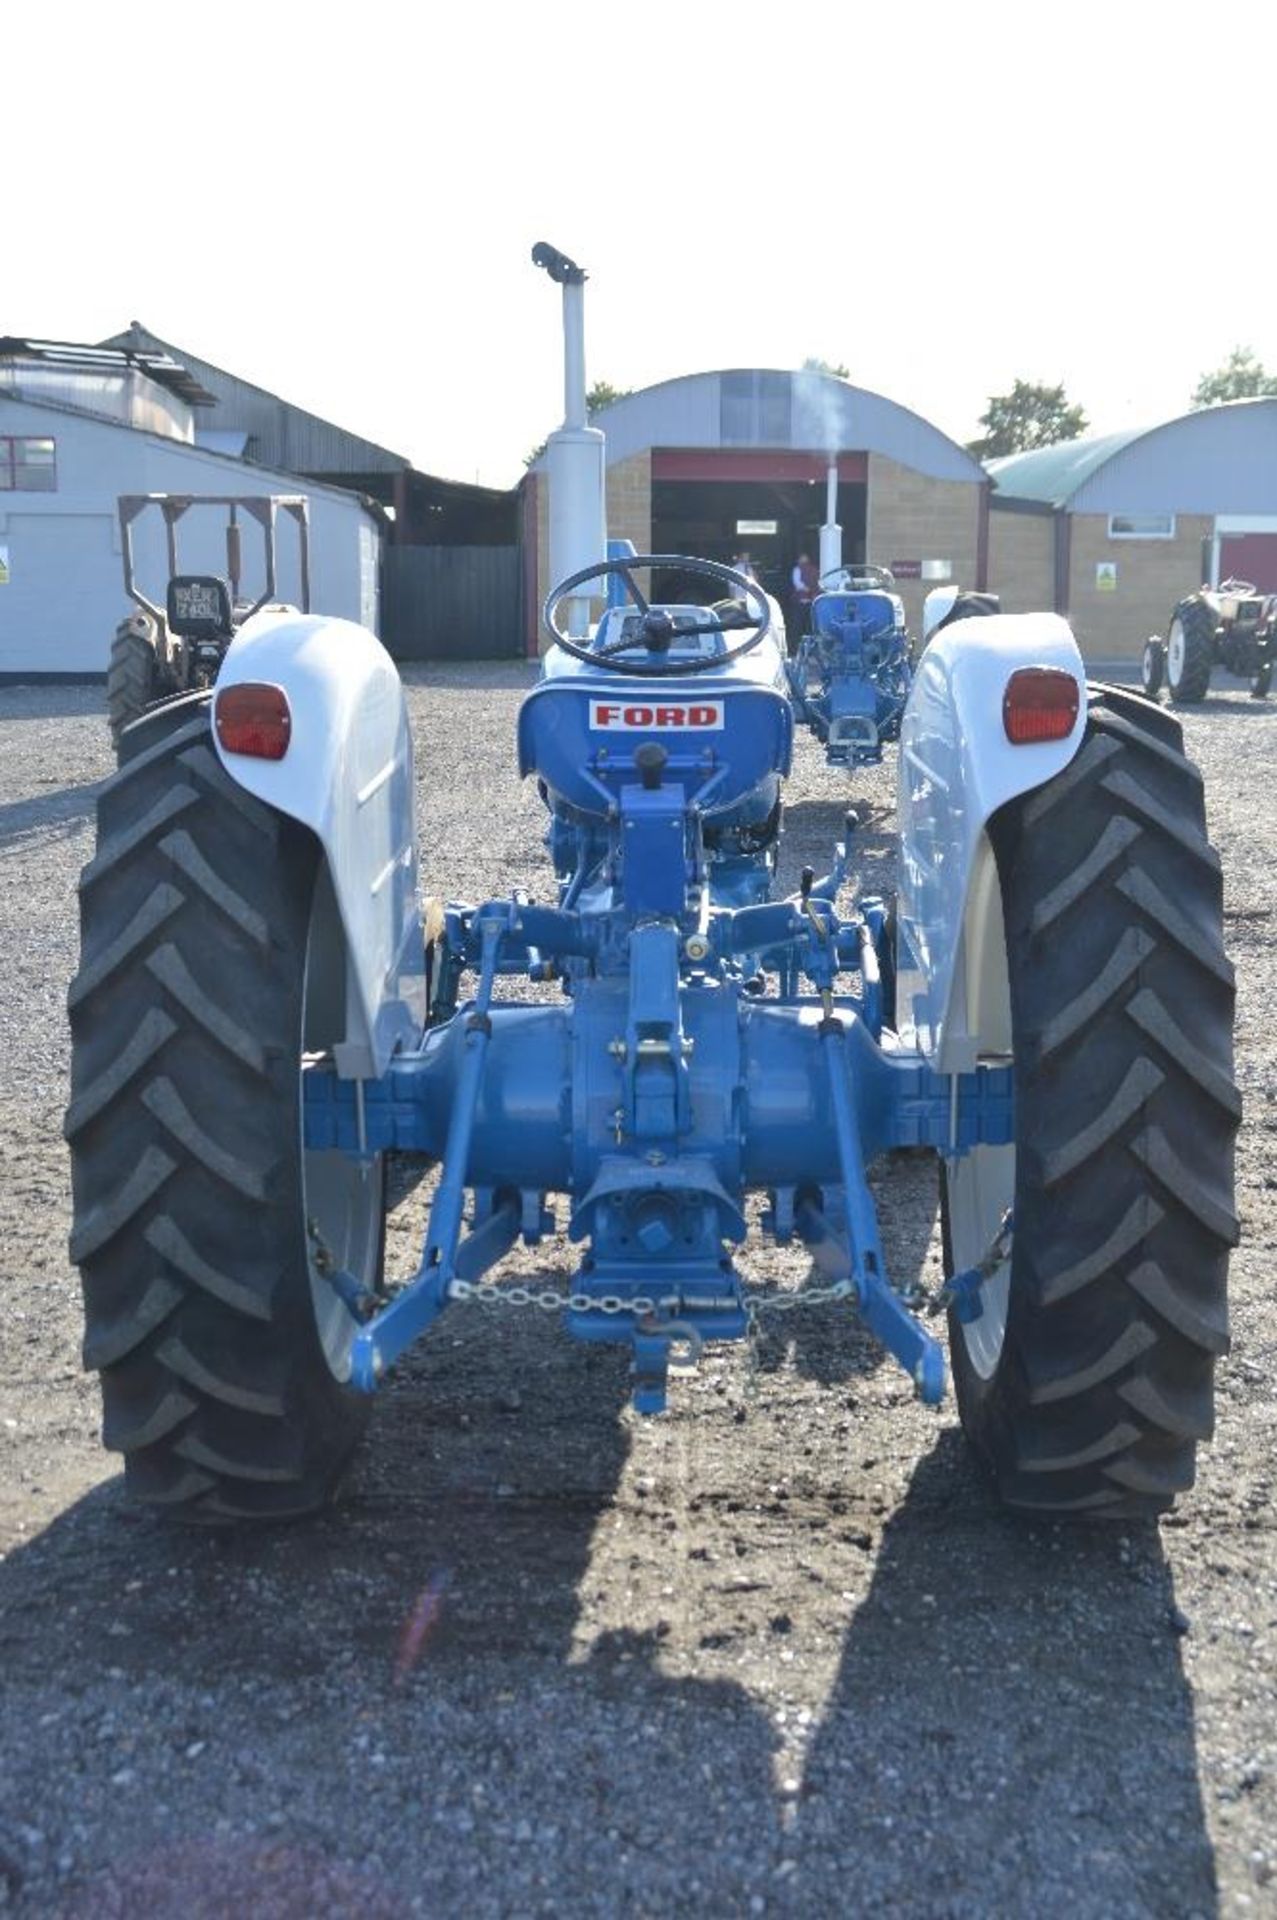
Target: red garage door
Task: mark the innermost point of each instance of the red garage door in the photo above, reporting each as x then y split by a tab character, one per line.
1249	556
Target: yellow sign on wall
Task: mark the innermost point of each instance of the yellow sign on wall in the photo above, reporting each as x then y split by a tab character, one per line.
1106	576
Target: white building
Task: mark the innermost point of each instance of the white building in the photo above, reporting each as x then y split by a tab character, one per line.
81	426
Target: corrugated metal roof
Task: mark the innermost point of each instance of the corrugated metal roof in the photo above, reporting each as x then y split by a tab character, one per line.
1054	474
278	433
246	470
72	357
222	440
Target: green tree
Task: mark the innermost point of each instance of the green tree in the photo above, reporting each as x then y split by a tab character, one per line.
814	365
1242	377
601	394
604	394
1031	415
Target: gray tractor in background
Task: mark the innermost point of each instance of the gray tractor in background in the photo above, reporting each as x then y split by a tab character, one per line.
1232	626
179	648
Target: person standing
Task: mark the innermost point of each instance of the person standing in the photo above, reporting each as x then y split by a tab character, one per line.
804	582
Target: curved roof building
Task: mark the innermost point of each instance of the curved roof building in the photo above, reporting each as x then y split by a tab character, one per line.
735	461
1113	530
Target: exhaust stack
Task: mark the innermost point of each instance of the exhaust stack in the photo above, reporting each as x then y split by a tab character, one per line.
574	454
831	532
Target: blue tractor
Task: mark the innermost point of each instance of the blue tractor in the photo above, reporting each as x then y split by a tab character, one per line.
851	675
263	1017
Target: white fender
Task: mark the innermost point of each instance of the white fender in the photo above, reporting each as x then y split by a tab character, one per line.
956	769
347	775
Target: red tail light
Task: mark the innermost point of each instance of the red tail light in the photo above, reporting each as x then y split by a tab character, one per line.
1040	703
253	718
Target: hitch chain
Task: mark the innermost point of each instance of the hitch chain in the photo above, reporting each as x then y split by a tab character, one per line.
963	1291
486	1293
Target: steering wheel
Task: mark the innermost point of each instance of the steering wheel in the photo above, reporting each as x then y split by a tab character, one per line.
864	575
659	628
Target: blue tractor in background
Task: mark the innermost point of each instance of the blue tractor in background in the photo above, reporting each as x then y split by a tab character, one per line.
851	675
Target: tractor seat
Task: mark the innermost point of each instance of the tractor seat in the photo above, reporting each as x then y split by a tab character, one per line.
832	612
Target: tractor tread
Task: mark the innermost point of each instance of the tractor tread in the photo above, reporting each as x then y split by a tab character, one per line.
1141	1217
1142	1079
1183	1185
1046	799
186	1151
125	1429
1159	815
165	1102
1198	625
1039	1499
203	765
1184	1410
95	1228
179	1489
1131	716
1162	1475
167	1239
1144	893
226	1466
171	970
112	1340
1116	1440
162	903
1203	1325
141	762
108	857
1127	1112
233	1390
1127	956
131	672
1170	752
1111	847
1149	1014
1136	1338
183	853
155	1029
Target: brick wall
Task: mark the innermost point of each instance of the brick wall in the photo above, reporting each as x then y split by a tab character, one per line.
1022	560
629	500
1151	576
629	516
913	517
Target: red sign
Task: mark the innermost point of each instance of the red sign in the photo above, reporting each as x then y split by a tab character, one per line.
645	717
907	569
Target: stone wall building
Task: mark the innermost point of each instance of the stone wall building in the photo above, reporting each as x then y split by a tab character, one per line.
1111	532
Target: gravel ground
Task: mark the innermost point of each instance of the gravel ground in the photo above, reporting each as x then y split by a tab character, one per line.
777	1652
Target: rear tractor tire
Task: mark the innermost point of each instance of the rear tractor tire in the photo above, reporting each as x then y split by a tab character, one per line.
133	679
210	960
1086	1380
1190	651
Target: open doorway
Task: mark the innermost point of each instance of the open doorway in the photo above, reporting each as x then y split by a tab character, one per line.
773	521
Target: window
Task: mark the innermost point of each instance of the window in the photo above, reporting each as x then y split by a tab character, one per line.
754	409
1141	526
27	466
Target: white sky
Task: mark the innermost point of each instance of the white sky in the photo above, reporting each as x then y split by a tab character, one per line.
339	203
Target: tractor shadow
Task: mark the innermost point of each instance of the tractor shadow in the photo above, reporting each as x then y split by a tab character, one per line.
828	1344
1010	1710
61	812
1005	1724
